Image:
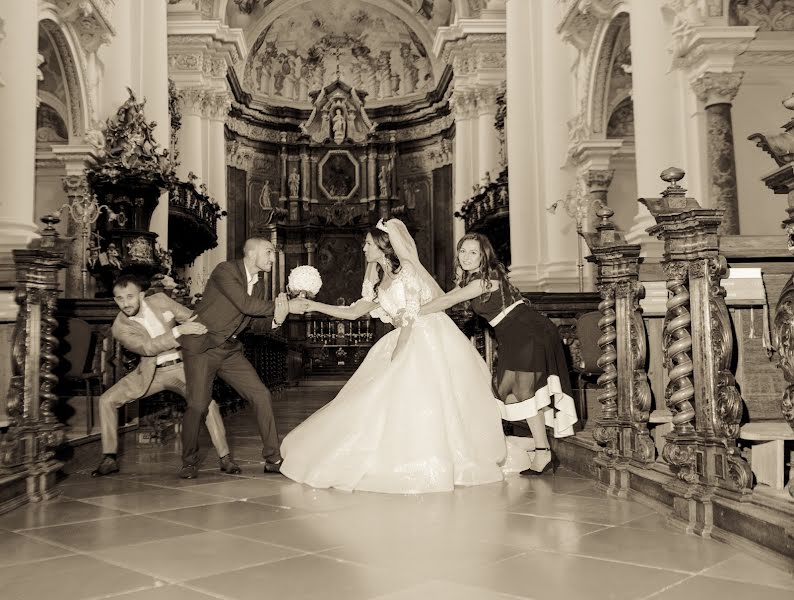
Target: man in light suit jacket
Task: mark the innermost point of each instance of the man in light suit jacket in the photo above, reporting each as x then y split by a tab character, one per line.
233	295
148	327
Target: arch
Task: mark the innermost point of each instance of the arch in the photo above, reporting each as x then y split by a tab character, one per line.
400	10
598	107
74	83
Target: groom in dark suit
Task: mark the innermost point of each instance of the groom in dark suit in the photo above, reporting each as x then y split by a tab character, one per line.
234	294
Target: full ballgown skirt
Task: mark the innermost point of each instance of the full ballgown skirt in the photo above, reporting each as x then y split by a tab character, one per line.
425	422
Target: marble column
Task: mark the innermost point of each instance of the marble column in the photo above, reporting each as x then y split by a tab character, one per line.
524	140
557	271
219	109
154	87
488	146
19	60
463	105
658	123
116	60
717	91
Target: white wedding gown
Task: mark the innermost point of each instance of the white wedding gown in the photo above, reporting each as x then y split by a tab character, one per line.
425	422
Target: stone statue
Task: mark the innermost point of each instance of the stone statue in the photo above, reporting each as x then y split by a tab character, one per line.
114	260
264	197
383	181
339	126
294	183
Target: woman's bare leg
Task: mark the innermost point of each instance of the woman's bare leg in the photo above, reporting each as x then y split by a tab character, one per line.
524	388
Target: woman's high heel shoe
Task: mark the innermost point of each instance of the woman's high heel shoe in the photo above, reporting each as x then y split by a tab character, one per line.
552	465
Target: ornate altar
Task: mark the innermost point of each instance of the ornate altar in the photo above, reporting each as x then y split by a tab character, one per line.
330	183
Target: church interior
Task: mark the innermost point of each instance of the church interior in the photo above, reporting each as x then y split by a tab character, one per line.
632	162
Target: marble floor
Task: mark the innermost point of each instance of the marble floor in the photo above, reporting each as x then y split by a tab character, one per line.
144	534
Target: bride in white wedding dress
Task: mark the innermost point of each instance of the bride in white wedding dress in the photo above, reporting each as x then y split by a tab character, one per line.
419	414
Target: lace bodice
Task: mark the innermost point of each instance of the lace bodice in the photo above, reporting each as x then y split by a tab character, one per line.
405	293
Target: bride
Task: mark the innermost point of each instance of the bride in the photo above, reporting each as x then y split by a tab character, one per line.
419	414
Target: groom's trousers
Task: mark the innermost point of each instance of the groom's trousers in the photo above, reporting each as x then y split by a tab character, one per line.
230	364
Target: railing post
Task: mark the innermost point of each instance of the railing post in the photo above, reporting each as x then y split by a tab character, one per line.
622	427
702	392
34	430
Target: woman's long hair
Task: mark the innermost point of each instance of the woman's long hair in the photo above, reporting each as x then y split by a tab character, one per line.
490	269
381	239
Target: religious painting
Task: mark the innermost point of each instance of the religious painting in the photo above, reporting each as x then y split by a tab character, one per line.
339	173
340	261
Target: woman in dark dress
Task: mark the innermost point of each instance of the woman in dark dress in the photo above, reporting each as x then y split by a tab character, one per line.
534	384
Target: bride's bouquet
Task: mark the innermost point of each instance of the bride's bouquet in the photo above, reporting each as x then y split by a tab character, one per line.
304	281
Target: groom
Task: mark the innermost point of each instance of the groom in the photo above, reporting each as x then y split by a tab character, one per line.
234	294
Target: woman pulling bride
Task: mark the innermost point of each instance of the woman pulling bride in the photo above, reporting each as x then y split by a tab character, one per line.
419	414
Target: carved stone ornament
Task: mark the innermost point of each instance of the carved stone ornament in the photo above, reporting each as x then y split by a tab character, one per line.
717	88
767	15
91	20
240	156
780	146
338	115
783	341
130	149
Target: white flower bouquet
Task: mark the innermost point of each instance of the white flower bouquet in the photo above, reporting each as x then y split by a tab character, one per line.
304	281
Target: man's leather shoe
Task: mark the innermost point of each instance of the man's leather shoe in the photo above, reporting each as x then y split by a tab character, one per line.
188	472
229	466
273	467
107	466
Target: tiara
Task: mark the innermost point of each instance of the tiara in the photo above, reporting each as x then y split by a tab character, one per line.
382	226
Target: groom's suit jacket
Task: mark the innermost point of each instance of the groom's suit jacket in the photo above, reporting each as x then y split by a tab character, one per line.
134	337
226	308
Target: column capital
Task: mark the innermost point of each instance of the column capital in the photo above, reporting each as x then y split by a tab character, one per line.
195	100
717	88
464	104
485	97
598	180
218	104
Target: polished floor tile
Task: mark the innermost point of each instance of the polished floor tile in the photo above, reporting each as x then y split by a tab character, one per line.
119	531
62	512
17	548
145	534
445	590
309	577
69	578
551	576
699	587
748	569
227	515
165	592
657	549
155	500
192	556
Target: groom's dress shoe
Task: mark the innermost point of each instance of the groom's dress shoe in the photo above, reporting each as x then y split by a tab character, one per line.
229	466
273	467
188	472
107	466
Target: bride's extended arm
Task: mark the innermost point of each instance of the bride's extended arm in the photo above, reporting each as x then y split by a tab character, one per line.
458	295
352	312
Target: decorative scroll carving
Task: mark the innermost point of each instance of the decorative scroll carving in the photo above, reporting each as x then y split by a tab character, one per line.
640	406
784	343
767	15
